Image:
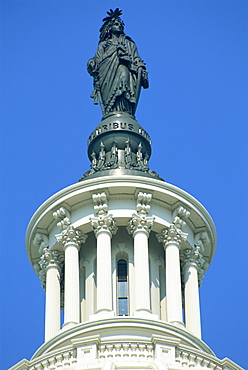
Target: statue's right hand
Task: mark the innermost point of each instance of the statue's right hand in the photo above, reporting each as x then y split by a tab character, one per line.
91	66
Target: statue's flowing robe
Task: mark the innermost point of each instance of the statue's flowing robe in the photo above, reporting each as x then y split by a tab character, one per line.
116	71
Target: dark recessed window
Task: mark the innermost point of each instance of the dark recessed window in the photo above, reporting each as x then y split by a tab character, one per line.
122	288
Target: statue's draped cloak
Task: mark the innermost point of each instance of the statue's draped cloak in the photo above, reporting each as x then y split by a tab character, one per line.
117	73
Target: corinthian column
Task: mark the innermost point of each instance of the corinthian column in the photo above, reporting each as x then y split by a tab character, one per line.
192	262
140	226
51	261
104	227
71	239
172	238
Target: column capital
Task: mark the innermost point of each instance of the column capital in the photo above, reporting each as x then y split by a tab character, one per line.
139	220
104	223
172	235
140	223
193	257
51	258
71	236
41	242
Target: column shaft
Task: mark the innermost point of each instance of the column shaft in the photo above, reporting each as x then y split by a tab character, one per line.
52	316
163	309
141	265
173	284
192	303
71	304
104	271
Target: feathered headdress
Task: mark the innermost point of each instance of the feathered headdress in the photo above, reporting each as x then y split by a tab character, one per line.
108	21
113	14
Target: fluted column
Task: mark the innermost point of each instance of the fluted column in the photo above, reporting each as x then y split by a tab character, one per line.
172	238
71	239
51	261
104	227
192	262
140	226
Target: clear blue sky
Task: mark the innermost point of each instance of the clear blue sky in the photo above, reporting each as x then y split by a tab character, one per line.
195	111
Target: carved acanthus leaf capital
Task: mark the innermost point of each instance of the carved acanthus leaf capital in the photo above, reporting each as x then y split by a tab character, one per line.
190	257
193	257
71	236
172	235
104	223
51	258
140	222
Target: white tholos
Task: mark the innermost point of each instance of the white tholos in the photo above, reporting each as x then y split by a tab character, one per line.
124	257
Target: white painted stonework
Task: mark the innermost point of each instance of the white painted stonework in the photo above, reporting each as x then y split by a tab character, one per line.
119	317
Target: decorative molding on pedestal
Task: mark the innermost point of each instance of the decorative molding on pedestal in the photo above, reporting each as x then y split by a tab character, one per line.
126	351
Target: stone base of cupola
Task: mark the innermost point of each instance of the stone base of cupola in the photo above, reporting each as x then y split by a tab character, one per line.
125	343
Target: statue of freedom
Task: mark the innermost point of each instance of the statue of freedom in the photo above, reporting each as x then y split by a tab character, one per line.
117	69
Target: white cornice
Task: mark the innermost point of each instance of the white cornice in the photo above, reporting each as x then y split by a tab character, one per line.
125	184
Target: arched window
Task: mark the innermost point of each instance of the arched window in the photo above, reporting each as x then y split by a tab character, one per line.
122	288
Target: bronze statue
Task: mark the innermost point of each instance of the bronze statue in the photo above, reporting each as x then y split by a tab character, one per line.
117	69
